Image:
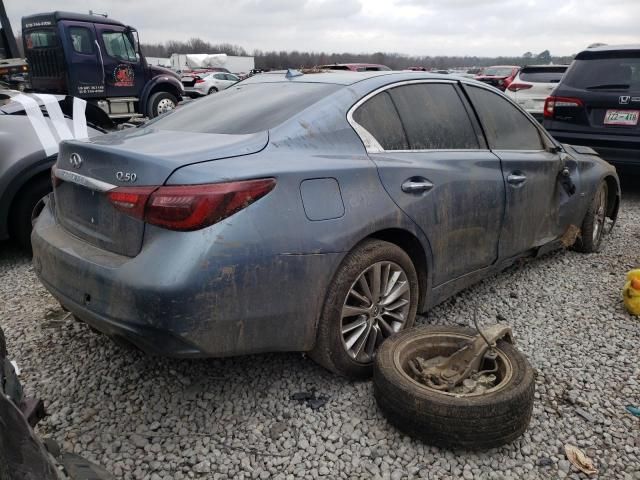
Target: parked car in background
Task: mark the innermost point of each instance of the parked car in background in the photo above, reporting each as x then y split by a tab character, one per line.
533	84
356	67
597	104
197	85
498	76
316	212
29	145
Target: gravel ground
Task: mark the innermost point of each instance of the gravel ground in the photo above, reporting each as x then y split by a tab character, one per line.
150	418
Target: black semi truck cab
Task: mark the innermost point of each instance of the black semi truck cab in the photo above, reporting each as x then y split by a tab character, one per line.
97	59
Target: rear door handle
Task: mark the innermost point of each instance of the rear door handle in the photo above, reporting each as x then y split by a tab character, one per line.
516	178
416	185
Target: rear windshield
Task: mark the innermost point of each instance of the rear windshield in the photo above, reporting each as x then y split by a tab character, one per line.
497	72
243	109
605	74
542	75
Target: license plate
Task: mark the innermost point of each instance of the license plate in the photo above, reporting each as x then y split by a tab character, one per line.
621	117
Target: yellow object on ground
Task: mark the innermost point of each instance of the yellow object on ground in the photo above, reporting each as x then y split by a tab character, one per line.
631	292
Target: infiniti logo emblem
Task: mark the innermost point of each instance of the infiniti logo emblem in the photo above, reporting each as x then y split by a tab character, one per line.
75	160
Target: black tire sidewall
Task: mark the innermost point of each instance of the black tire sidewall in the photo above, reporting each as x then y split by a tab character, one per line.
478	422
212	90
24	203
585	242
329	350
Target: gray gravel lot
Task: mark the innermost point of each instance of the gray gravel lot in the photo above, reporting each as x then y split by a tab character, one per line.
153	418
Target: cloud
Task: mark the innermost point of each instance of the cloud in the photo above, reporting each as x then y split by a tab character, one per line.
417	27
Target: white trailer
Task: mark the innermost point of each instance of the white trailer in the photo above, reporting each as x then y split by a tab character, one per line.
181	62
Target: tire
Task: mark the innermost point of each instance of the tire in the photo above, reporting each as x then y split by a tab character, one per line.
331	349
23	207
159	103
471	422
592	230
212	90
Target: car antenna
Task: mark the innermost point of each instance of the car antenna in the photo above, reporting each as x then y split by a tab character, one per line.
292	73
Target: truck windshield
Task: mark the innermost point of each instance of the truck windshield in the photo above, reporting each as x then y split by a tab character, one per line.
243	109
45	38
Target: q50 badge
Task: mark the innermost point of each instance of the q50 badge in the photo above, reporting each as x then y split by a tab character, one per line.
126	177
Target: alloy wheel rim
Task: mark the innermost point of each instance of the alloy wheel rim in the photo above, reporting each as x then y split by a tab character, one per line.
165	105
600	217
377	306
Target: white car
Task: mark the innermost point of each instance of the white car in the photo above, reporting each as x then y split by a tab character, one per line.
533	85
196	85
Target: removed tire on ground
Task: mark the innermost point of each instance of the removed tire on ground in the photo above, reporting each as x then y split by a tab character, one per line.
488	409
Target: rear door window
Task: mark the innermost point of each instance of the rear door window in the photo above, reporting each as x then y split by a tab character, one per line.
505	126
434	117
380	118
81	39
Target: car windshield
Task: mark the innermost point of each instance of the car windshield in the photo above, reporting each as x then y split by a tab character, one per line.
605	74
243	109
497	72
542	74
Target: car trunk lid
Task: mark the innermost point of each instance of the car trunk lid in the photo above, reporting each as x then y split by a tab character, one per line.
85	171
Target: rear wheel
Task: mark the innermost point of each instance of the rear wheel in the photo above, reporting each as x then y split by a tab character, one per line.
373	296
593	225
161	102
24	209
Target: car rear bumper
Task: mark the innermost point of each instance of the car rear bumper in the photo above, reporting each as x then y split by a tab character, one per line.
198	306
621	151
194	92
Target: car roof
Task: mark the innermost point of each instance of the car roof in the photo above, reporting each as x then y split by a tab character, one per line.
607	49
347	78
79	17
545	66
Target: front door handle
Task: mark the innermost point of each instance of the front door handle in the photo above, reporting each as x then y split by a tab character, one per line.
416	185
517	178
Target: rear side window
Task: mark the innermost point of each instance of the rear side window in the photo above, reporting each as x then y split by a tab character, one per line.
602	73
434	117
542	75
380	118
506	127
81	39
245	108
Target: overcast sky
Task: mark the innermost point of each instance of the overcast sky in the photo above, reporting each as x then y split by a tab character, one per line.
416	27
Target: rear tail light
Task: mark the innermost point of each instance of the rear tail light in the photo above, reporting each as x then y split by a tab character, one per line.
551	103
516	87
199	80
188	207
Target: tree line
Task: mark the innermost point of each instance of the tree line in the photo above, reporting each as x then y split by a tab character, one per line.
297	59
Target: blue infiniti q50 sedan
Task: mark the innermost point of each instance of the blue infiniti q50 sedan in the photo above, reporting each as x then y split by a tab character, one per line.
312	212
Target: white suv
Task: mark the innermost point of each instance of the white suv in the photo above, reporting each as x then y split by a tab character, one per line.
533	85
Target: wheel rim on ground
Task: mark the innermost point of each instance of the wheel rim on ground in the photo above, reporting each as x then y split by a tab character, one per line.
443	345
600	210
165	105
376	307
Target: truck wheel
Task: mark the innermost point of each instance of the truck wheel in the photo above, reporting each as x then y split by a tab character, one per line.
593	225
159	103
23	207
373	295
481	419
